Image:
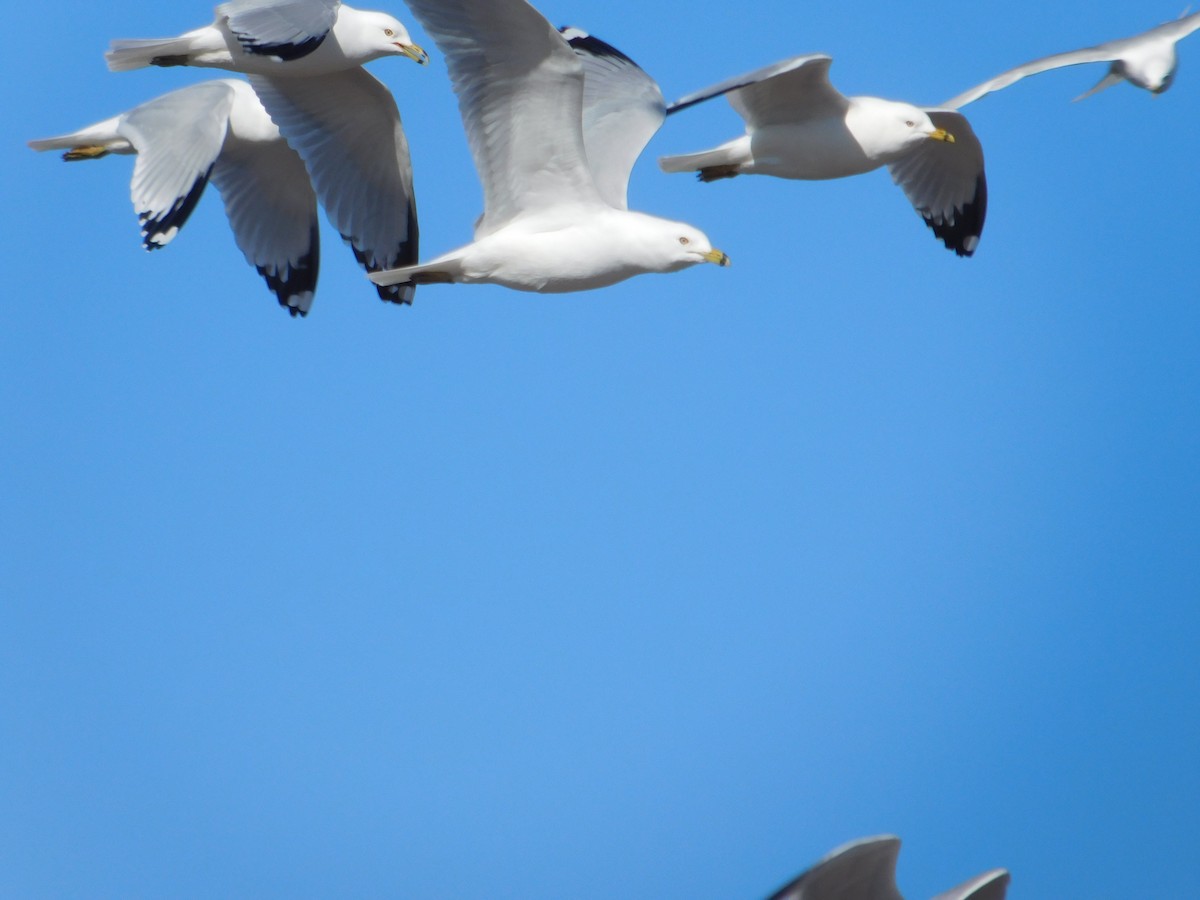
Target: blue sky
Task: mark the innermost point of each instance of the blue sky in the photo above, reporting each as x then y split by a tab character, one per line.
658	591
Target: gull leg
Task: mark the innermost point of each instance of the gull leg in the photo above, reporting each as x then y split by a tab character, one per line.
94	151
715	173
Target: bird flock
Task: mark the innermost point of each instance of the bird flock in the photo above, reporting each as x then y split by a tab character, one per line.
555	119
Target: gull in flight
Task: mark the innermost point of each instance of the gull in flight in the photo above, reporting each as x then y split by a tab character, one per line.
866	870
217	131
1146	60
799	126
304	58
553	155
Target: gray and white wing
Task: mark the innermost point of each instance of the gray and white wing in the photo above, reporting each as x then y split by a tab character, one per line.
946	183
346	127
1179	28
520	93
991	885
622	109
285	29
861	870
785	91
177	137
273	213
1101	53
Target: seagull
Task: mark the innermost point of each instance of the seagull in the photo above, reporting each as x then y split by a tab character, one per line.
304	58
555	217
215	130
799	126
1146	60
866	870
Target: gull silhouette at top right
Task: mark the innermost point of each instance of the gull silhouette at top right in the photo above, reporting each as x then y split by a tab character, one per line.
1147	60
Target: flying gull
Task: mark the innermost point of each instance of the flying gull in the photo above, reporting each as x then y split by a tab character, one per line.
799	126
217	131
555	217
304	58
1146	60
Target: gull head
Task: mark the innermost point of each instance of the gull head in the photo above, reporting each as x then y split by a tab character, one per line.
688	246
1154	74
887	130
381	34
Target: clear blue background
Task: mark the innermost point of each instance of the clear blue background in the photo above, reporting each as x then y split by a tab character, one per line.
659	591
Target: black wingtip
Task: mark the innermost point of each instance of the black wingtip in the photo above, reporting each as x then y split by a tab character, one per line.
582	42
158	231
284	51
295	280
962	233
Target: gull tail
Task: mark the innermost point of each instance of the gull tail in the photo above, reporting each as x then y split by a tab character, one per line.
440	271
126	54
1113	77
719	162
92	142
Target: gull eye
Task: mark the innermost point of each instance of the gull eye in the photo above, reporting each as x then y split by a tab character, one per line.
910	123
684	240
389	32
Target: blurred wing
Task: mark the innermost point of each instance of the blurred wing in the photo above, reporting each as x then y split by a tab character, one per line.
520	93
273	213
178	137
946	183
1101	53
991	885
287	29
622	110
781	92
1179	29
346	128
861	870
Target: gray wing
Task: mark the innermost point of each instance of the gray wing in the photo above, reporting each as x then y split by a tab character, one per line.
347	129
622	109
1107	52
991	885
1179	28
287	29
178	137
861	870
1102	53
946	183
273	212
520	92
781	92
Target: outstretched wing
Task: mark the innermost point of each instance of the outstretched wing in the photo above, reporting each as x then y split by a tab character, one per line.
861	870
177	137
946	183
622	109
272	210
991	885
785	91
347	129
287	29
520	92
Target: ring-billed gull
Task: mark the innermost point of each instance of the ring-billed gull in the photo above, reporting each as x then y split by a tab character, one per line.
304	58
1146	60
799	126
215	130
275	37
554	217
866	870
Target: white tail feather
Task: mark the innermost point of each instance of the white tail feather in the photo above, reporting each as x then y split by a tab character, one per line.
124	55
